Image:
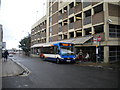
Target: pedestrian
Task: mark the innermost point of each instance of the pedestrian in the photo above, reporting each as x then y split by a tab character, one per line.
80	55
87	57
6	55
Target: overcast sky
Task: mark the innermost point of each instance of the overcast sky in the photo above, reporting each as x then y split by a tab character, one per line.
17	17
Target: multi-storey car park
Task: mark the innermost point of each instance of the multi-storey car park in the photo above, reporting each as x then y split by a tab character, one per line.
94	27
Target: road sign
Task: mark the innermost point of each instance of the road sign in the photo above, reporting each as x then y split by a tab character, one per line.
95	40
99	39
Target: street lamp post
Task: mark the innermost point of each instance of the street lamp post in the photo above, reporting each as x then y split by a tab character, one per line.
97	40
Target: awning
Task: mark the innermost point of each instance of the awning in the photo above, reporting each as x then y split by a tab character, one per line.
82	40
74	40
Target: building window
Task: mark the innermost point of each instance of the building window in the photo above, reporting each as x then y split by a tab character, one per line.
114	53
78	33
50	39
60	24
114	31
98	8
60	37
88	31
60	27
50	29
78	16
71	34
65	9
50	19
60	14
87	17
71	19
71	24
77	2
87	13
99	29
71	5
65	36
86	4
65	22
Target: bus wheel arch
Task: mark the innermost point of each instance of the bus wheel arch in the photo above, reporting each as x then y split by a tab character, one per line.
57	60
43	57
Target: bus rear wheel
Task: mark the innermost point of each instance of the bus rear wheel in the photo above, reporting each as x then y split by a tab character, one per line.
57	60
43	58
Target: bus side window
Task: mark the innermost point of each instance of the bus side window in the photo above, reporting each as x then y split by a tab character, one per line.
56	49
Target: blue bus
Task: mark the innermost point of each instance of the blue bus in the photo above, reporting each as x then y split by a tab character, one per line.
58	52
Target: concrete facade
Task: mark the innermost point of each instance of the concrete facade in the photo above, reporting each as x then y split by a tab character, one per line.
81	20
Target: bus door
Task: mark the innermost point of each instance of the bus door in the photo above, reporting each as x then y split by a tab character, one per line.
57	51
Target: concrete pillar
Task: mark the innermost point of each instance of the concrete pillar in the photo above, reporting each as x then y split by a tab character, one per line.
93	30
106	54
74	34
83	32
106	24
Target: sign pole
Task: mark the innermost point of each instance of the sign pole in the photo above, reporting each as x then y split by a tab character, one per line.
96	53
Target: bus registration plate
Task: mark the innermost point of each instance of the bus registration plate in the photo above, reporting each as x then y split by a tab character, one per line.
68	60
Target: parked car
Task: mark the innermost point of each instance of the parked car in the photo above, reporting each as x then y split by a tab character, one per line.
10	55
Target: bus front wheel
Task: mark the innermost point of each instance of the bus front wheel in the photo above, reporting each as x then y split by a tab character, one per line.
57	60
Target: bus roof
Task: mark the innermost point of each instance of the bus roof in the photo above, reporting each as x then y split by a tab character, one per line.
49	44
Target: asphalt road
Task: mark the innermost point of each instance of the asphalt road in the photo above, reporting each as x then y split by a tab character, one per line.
51	75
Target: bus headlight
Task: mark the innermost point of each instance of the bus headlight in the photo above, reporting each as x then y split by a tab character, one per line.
74	58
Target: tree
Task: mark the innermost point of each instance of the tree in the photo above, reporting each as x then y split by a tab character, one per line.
25	44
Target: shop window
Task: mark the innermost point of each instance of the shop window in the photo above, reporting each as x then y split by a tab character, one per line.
99	29
114	31
78	33
88	31
71	34
98	8
114	53
78	16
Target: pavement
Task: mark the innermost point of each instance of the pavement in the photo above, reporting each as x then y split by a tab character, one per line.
10	68
110	66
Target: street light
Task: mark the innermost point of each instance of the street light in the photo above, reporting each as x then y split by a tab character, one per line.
36	14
